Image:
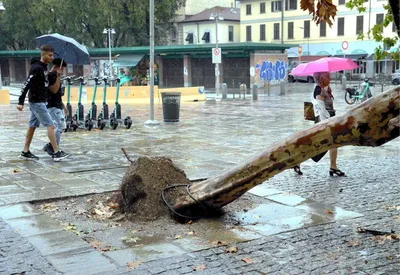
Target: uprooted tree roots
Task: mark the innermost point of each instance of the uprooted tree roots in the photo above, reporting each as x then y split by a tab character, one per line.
144	183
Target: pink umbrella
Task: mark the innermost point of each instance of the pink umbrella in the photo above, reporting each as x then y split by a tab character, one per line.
326	64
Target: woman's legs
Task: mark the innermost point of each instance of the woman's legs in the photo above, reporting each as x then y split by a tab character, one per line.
334	170
333	157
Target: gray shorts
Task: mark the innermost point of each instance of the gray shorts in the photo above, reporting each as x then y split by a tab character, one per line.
39	115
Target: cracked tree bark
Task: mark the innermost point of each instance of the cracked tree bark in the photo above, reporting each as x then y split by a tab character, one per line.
372	123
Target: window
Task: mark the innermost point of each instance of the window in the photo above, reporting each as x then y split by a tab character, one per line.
262	7
342	2
276	6
189	38
379	18
340	26
206	37
360	24
307	29
262	32
290	30
230	34
173	34
322	29
276	31
248	9
290	5
248	33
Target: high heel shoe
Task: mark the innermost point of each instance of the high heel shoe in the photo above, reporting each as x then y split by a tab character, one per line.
297	170
336	172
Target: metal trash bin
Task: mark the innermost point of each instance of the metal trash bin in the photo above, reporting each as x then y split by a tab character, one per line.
171	105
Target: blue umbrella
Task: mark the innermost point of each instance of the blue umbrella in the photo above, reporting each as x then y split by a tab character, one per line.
65	47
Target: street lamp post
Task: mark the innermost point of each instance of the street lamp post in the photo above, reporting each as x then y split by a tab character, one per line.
2	8
216	17
151	121
109	31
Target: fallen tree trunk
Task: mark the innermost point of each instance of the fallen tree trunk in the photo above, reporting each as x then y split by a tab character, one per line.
372	123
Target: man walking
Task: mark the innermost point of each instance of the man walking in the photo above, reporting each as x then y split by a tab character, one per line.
38	85
55	105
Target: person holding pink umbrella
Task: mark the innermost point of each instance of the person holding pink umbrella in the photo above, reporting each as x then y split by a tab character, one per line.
323	109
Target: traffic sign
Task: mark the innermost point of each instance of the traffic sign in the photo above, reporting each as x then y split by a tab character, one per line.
345	45
299	49
216	55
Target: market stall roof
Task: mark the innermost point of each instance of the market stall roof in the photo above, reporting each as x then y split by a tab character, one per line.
227	48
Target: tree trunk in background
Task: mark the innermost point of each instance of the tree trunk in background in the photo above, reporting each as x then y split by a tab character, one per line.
372	123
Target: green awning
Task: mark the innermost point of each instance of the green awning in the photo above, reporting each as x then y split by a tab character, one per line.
128	60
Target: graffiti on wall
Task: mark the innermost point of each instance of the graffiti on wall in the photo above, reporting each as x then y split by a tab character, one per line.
271	72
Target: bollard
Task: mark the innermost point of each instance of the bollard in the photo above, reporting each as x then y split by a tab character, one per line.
344	80
255	91
224	91
283	87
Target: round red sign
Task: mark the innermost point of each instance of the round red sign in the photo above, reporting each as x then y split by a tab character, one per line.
345	45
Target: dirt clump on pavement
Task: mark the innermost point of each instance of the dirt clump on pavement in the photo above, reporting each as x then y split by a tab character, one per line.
143	184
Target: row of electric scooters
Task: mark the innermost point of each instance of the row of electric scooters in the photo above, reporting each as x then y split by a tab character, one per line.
91	120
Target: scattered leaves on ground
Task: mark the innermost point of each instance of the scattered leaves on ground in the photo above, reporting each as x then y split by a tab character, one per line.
232	249
48	207
200	267
389	258
72	227
218	243
133	265
178	237
15	171
393	207
355	242
248	260
329	212
128	239
191	233
383	238
99	246
102	212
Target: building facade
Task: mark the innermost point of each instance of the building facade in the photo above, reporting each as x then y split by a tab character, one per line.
191	8
275	21
206	26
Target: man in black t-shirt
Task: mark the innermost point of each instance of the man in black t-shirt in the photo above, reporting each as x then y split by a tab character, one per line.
55	106
37	84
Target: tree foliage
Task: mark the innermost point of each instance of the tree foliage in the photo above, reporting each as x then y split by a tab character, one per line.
23	20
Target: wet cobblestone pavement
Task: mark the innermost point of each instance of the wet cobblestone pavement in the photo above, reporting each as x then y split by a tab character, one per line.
211	137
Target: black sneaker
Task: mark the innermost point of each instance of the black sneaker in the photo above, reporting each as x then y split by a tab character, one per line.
49	149
60	155
28	155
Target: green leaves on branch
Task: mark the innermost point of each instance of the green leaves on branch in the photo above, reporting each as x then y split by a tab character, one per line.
377	30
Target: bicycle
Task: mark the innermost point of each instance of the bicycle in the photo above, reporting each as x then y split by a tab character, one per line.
353	95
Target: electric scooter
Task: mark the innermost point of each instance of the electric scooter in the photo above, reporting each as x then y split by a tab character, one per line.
103	117
69	107
79	117
115	117
91	117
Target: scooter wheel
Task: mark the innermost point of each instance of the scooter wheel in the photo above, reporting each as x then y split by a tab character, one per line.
113	123
74	127
88	125
128	123
102	124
